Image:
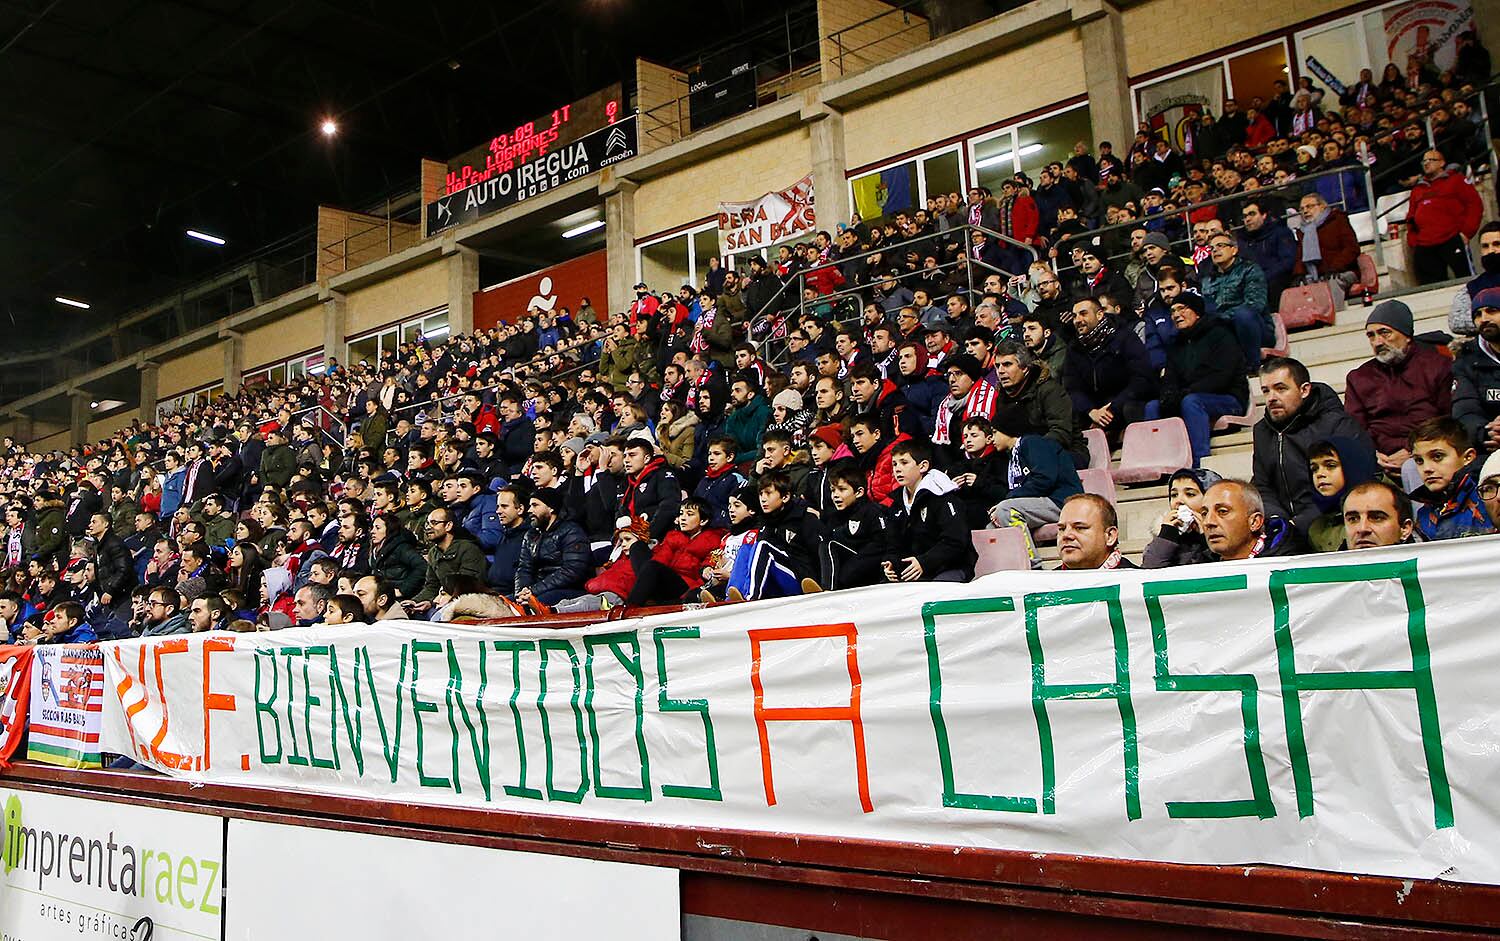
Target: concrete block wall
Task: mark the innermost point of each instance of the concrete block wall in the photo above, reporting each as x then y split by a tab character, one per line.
856	34
745	173
661	98
347	240
1161	33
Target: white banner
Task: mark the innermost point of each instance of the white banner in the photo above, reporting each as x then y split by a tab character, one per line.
1331	712
78	868
774	217
324	890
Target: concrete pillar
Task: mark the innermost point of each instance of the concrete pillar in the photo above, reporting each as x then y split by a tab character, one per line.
82	411
335	325
463	282
1106	76
619	240
150	388
234	360
825	136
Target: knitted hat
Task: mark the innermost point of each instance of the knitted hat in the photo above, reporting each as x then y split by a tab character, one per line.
831	435
966	364
1190	300
1393	314
1491	467
1159	240
552	496
789	399
1489	297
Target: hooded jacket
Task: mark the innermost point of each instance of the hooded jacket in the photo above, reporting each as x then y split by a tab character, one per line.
1326	533
924	392
51	536
929	525
1281	471
1389	401
716	489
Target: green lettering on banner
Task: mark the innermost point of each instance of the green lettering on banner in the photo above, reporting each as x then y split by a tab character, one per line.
479	740
1244	683
390	746
296	757
354	730
952	796
520	788
632	665
575	796
700	706
1418	679
266	707
1043	692
308	701
419	706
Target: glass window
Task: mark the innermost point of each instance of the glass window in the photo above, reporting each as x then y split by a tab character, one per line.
435	327
994	160
1338	47
366	348
665	263
941	175
1251	74
1051	139
705	246
1168	105
388	341
296	369
886	192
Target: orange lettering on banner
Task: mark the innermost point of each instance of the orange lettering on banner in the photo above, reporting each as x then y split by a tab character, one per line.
170	759
221	702
849	713
122	689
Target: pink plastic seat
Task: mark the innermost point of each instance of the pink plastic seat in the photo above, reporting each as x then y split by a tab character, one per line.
1283	345
1152	450
1000	550
1226	422
1095	480
1098	444
1369	278
1307	305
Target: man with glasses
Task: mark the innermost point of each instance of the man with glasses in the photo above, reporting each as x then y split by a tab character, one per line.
448	556
1236	287
163	614
1444	214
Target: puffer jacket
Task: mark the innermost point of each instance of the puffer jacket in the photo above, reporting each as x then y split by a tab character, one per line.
556	558
677	439
400	562
113	567
686	554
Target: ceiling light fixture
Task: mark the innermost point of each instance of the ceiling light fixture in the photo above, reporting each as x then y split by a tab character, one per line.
204	237
1026	151
72	303
581	229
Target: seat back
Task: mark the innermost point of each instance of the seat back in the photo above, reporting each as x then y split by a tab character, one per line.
1283	345
1306	305
1098	444
1368	276
1000	550
1153	449
1100	482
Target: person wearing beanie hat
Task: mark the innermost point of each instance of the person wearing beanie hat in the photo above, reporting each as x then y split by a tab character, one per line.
1476	375
1489	484
554	562
1205	375
1405	383
789	399
970	395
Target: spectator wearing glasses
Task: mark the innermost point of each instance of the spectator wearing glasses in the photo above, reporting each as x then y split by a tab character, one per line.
448	555
1236	289
163	614
1444	214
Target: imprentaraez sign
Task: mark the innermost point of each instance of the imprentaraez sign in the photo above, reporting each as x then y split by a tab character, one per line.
1333	712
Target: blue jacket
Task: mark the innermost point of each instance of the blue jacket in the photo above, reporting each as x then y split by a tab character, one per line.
1456	512
1274	248
502	572
171	492
480	518
1039	467
717	491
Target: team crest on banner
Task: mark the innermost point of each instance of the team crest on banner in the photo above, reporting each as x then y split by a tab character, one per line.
67	694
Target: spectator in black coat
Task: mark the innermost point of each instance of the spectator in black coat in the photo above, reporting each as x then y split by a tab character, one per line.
114	568
1205	374
1107	373
554	560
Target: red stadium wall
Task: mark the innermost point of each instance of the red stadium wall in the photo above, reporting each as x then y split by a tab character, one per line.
585	276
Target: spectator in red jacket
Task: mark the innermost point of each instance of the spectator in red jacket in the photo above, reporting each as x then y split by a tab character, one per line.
1443	215
673	569
822	277
1406	383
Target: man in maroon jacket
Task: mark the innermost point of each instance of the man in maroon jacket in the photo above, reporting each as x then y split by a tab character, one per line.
1405	384
1327	248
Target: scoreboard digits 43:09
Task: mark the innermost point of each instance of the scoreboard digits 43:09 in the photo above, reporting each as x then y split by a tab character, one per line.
506	151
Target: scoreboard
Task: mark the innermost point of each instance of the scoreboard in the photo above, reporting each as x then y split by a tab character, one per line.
535	139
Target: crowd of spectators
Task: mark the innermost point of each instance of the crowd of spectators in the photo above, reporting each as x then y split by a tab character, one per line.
654	455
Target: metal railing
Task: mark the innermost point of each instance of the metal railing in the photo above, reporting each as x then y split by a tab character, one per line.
853	46
398	227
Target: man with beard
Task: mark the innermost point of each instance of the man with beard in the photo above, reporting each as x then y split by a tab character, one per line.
1406	383
1476	376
